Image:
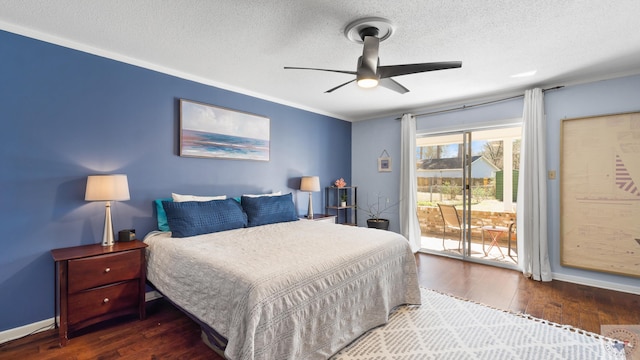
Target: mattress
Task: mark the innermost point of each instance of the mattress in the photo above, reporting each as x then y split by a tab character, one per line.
293	290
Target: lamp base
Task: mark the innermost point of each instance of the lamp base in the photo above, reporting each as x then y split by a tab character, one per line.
107	234
310	209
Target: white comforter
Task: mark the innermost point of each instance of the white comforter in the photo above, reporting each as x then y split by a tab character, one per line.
297	290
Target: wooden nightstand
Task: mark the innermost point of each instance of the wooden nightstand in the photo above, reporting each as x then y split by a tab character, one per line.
322	217
96	283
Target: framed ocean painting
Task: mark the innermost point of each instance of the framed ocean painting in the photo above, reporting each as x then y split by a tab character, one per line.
208	131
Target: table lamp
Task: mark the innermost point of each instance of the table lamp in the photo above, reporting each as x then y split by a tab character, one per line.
310	184
107	188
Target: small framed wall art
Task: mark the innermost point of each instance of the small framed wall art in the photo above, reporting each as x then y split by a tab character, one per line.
384	162
208	131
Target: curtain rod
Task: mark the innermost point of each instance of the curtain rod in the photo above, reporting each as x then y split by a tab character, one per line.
464	107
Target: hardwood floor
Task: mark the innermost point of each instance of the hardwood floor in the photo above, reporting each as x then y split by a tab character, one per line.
580	306
167	333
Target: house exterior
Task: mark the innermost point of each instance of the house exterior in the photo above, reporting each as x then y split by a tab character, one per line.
451	168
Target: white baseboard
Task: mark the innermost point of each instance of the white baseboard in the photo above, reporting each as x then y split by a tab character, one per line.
597	283
25	330
36	327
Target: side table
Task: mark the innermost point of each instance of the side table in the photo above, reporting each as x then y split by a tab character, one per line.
95	283
494	232
322	217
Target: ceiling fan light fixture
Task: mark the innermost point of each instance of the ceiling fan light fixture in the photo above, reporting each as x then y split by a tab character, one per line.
369	74
368	83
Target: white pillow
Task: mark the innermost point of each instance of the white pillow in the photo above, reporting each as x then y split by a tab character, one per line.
182	198
277	193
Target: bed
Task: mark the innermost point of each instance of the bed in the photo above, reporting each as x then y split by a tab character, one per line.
287	289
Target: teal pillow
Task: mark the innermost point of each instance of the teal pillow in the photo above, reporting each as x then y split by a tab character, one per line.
161	215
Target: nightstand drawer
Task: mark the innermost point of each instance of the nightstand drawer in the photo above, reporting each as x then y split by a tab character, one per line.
103	300
100	270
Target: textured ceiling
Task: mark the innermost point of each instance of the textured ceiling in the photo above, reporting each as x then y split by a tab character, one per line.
244	45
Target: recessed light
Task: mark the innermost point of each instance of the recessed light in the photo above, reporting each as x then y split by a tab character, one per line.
525	74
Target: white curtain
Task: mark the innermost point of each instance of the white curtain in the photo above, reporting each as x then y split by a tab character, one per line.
409	225
533	255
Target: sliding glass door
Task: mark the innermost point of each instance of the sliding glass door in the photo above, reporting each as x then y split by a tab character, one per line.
443	207
466	193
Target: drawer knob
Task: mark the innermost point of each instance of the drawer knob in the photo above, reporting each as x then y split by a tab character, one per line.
106	300
107	270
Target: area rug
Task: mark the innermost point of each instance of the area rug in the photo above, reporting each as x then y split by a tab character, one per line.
445	327
629	334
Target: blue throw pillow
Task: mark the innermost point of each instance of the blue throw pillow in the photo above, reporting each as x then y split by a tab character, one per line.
269	209
192	218
163	225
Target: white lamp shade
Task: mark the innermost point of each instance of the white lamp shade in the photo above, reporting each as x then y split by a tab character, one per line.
107	188
310	183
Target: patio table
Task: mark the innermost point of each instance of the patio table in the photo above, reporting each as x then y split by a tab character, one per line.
494	232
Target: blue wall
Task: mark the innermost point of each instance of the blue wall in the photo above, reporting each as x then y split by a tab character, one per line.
370	139
591	99
66	114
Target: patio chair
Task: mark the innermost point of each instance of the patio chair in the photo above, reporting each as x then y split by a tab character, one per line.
452	220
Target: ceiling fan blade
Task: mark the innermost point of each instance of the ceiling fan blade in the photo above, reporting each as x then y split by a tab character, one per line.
397	70
391	84
339	86
337	71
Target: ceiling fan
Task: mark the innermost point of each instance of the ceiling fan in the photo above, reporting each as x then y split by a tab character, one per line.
370	32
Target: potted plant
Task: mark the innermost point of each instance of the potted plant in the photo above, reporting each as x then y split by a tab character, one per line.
375	210
343	200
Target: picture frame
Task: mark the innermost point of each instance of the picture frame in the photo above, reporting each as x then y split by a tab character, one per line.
209	131
384	164
600	193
